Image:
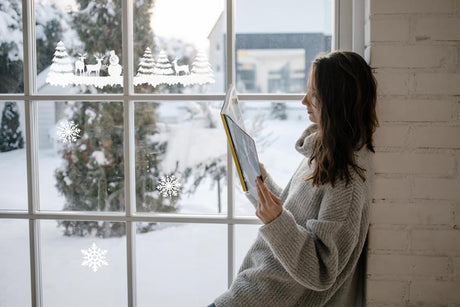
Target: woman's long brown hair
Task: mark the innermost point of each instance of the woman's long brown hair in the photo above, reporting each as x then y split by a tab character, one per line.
346	92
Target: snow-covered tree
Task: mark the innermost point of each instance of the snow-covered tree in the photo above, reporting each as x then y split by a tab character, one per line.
92	177
278	110
51	25
147	64
62	64
11	79
163	66
201	65
10	134
98	23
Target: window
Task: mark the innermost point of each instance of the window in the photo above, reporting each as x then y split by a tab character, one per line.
112	148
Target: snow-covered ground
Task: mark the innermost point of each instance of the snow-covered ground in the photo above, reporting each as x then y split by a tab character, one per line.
177	265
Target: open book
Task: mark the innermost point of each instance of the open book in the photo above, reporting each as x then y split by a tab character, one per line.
242	145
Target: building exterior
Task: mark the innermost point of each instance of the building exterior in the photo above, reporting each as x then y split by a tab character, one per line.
272	57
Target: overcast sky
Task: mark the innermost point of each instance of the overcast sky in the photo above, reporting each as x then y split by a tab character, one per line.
192	20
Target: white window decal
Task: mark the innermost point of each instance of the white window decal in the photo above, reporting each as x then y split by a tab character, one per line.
67	131
65	71
169	186
94	257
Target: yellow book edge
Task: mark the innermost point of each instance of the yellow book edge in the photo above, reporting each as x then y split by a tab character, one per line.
238	168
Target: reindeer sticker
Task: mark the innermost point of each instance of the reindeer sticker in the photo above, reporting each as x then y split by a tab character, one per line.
180	68
96	68
80	64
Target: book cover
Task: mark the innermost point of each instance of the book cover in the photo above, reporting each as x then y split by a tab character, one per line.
242	145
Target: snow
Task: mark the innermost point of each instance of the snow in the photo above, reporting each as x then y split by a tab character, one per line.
99	157
178	264
61	79
11	26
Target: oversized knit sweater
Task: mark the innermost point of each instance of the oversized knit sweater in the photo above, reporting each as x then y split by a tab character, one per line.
311	254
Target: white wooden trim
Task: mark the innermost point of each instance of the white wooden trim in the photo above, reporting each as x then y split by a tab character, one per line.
138	217
358	27
129	148
149	97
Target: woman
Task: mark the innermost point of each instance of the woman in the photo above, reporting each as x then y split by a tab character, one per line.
309	252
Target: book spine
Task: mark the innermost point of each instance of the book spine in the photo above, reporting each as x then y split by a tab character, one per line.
237	164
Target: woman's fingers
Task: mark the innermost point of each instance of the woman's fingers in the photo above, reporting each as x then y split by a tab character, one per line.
259	192
263	171
264	191
275	199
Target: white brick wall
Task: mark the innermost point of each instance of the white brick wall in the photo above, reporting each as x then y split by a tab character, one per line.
414	236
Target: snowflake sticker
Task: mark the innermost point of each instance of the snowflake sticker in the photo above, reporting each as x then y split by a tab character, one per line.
68	131
94	257
169	186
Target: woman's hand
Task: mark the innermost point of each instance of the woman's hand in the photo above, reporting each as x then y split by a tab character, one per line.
269	206
264	172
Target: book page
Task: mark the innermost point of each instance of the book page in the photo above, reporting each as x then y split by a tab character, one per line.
231	108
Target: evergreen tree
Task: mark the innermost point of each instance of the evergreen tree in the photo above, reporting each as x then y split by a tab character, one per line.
98	24
163	66
278	110
93	176
10	135
201	65
147	64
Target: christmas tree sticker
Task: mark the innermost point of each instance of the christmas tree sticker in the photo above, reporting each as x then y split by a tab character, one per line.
201	65
163	66
147	64
61	71
64	72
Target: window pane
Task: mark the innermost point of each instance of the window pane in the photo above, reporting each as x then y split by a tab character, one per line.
14	263
81	156
181	264
245	235
275	127
179	46
276	42
79	46
181	157
11	47
13	163
82	269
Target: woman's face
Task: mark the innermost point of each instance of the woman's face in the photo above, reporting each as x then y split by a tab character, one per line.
311	101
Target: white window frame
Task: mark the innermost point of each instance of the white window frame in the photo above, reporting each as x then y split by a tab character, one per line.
348	33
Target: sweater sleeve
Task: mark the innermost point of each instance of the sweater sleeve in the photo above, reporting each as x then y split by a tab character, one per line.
316	254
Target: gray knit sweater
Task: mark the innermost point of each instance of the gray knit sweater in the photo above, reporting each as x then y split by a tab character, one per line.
310	255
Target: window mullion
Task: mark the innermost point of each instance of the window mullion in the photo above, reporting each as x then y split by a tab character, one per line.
129	152
230	77
29	75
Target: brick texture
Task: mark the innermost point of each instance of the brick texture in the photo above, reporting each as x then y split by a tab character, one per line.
390	292
433	292
427	213
414	234
415	110
408	265
411	6
387	239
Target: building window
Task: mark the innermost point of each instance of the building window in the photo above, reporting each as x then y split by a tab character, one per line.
111	143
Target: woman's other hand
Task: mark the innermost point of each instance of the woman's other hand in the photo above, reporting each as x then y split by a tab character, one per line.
269	206
264	172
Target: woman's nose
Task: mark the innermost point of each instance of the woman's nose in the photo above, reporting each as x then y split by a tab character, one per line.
305	100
